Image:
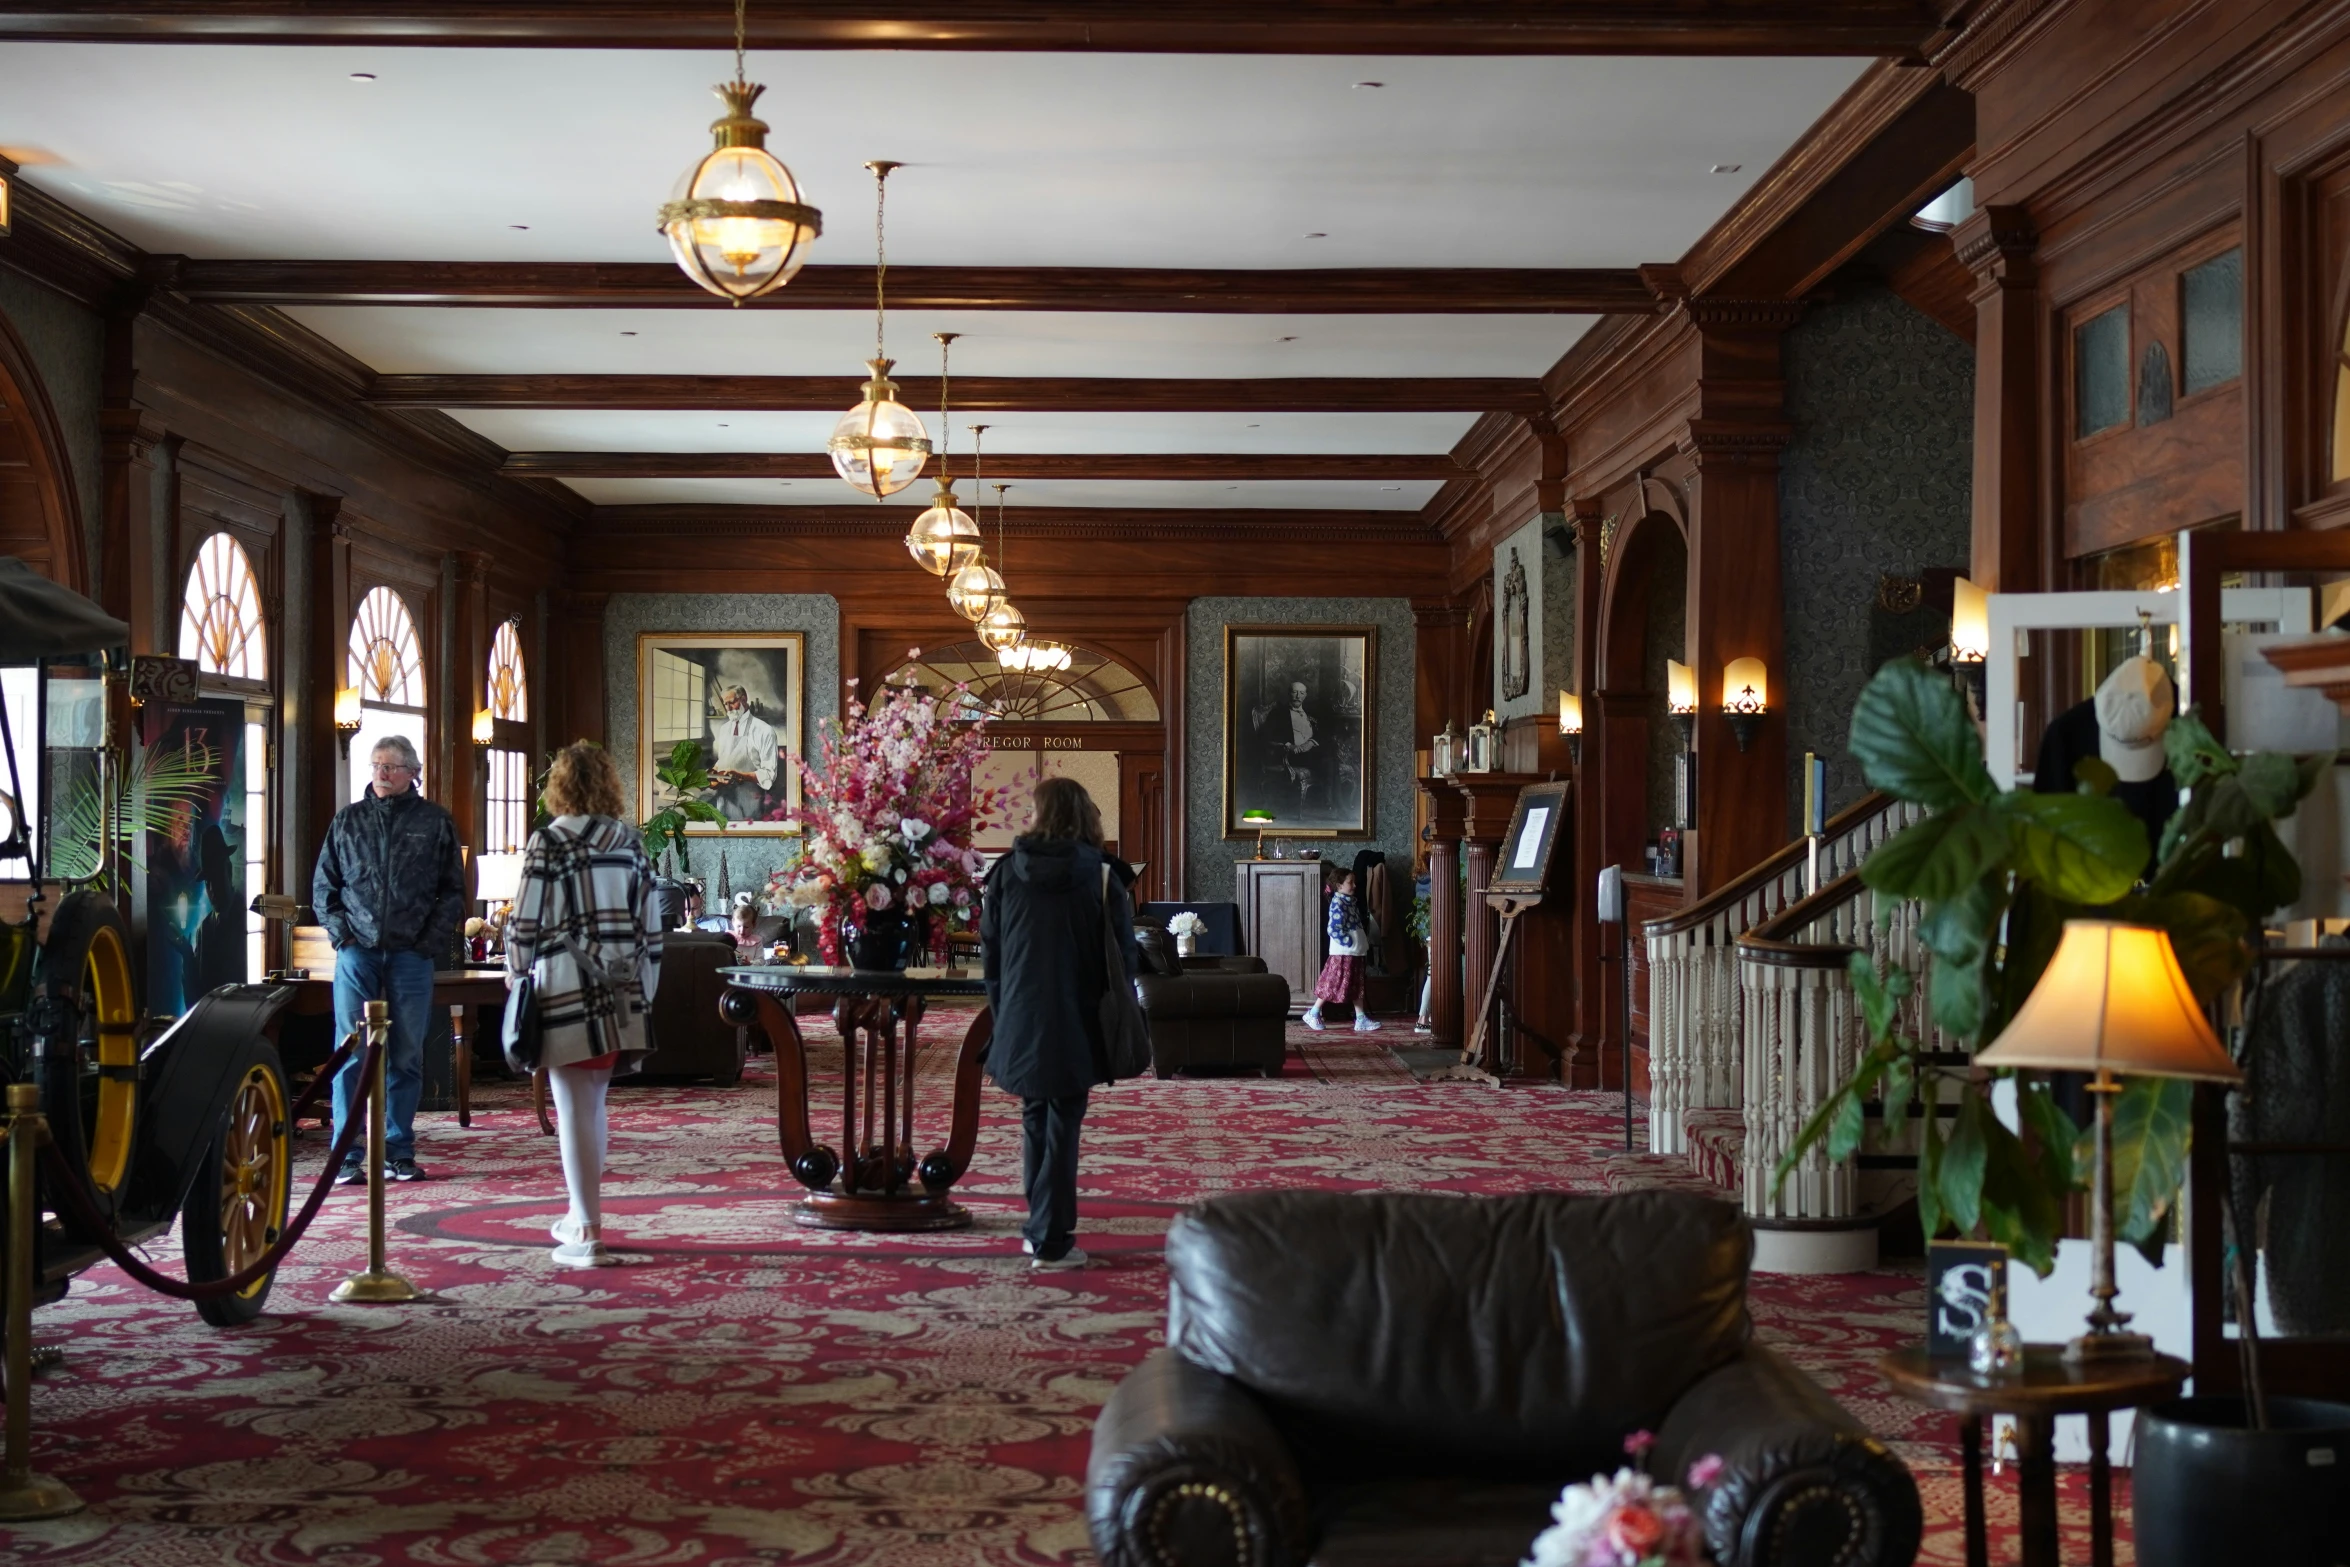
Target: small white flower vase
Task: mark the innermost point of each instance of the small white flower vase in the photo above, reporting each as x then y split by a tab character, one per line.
1186	946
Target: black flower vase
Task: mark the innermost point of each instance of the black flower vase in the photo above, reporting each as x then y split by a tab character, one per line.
879	940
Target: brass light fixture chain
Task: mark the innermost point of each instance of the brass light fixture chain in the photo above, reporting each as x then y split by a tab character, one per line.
946	428
880	250
978	444
738	40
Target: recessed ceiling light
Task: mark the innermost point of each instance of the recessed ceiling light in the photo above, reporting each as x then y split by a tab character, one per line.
1370	84
628	334
726	427
1256	427
1391	488
1317	235
363	76
523	228
1726	168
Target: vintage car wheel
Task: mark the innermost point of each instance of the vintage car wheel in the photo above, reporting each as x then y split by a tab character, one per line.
237	1207
90	1065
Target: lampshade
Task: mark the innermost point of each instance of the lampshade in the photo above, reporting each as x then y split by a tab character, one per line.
2113	1000
975	590
1002	627
347	708
1746	686
1970	622
1570	713
879	446
497	877
1680	686
943	539
485	726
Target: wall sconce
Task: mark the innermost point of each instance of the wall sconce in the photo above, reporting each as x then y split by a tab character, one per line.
1970	635
1746	697
346	718
7	192
1681	698
1571	724
485	728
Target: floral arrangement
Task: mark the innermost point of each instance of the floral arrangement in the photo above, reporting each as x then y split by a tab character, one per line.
1628	1520
1187	923
886	819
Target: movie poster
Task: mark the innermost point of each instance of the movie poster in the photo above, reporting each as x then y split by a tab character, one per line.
187	810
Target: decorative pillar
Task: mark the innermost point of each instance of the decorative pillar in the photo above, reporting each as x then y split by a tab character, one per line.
1580	887
139	501
1996	244
575	685
1445	807
468	681
314	775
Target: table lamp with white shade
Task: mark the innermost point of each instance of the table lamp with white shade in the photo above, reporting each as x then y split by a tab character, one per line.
2111	1001
497	879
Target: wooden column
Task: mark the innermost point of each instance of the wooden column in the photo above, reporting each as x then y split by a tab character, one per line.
1445	808
468	680
1488	799
139	489
1996	243
317	778
575	682
1579	884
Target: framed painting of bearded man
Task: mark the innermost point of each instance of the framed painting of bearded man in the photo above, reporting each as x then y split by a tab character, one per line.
736	696
1298	710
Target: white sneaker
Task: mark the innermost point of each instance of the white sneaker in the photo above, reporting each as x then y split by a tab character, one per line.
1027	1247
583	1254
1364	1025
1067	1262
568	1230
1312	1019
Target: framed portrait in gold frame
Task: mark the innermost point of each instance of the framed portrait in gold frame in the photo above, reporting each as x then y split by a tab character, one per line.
738	696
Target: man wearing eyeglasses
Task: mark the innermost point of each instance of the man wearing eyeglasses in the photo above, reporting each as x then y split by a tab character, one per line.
390	890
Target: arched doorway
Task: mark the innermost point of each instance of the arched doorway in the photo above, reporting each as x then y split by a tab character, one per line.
1644	623
40	515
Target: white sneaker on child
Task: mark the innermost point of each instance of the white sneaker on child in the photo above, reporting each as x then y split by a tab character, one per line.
1312	1019
567	1229
584	1253
1364	1025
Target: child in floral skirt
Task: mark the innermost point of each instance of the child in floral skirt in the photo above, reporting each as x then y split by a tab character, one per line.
1342	973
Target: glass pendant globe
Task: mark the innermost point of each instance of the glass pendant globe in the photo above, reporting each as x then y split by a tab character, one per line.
975	590
943	539
1002	627
879	446
735	221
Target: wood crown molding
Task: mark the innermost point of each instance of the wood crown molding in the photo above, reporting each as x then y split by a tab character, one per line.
972	393
1000	465
1122	524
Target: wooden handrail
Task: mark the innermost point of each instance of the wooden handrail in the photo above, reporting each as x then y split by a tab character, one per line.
1772	941
1778	864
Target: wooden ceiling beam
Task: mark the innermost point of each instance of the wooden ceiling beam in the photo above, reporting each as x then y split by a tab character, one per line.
637	285
1119	524
1323	27
972	393
1235	466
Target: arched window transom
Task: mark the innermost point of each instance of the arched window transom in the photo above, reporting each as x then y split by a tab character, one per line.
386	660
220	613
509	692
1093	689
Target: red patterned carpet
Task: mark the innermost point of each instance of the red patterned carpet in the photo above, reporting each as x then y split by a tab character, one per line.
748	1392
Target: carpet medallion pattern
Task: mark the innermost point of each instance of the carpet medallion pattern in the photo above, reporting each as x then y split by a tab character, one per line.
743	1391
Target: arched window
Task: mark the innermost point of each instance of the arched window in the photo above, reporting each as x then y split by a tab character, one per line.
509	691
2341	468
385	663
220	613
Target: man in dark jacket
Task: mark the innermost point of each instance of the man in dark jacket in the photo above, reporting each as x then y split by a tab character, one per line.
1040	931
390	890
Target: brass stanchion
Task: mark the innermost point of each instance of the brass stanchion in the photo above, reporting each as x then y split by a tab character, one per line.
24	1494
379	1285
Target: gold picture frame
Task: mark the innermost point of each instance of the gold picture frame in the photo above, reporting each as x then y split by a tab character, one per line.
684	680
1314	769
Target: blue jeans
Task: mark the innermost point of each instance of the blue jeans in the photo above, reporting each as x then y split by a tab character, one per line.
364	974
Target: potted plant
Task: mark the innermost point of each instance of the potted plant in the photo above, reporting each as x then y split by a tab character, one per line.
683	774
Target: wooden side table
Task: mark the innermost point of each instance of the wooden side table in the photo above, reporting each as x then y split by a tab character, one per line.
2049	1386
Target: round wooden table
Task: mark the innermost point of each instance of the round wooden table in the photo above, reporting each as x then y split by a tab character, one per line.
883	1184
2049	1386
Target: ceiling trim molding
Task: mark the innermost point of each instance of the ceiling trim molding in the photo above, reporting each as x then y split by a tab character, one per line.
1343	27
1120	524
1154	290
972	393
999	465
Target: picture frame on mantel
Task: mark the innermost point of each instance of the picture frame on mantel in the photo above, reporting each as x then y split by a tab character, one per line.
1300	732
740	696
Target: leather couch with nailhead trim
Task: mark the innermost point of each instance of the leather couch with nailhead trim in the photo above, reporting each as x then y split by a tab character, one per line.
1409	1379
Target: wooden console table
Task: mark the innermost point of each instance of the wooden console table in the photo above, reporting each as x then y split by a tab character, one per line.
883	1184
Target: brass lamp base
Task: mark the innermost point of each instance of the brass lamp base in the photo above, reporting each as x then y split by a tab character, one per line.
2093	1348
374	1289
36	1496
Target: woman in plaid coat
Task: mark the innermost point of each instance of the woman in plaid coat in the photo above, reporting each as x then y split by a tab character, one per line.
586	926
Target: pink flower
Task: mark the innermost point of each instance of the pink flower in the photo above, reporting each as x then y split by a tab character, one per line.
1638	1443
877	896
1635	1529
1705	1471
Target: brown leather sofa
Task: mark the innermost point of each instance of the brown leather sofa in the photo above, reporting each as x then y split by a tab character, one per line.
1395	1379
689	1037
1221	1013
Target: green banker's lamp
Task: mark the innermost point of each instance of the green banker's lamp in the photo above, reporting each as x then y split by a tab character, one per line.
2112	1001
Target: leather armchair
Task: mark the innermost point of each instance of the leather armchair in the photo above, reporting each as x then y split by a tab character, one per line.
1402	1378
689	1038
1224	1012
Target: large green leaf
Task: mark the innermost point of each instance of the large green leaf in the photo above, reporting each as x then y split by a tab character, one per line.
1914	741
2084	848
1960	1179
1958	932
1900	1086
2152	1117
2193	752
1939	856
2054	1133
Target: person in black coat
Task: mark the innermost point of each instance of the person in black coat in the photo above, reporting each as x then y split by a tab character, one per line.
1040	930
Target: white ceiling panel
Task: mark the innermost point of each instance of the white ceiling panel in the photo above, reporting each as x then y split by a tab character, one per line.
1344	494
1013	159
673	430
724	341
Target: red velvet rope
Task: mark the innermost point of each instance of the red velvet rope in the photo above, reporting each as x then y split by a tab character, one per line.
75	1199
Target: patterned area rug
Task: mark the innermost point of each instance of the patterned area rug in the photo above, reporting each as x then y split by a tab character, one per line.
745	1391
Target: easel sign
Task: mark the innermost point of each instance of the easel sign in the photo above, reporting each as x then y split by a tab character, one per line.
1516	884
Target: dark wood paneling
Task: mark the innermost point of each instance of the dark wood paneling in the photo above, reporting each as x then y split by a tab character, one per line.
972	393
640	284
1075	523
1932	282
1050	465
1345	27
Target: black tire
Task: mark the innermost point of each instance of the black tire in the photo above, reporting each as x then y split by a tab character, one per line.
243	1188
87	997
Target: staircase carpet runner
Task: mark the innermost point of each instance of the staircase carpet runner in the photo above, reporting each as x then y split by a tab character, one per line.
745	1391
1716	1139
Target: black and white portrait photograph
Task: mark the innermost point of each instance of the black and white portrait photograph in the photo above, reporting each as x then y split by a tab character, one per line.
1297	728
737	696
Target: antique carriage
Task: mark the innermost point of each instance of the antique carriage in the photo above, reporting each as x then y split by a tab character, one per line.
156	1119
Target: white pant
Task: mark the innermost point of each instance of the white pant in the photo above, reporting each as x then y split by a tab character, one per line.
581	1129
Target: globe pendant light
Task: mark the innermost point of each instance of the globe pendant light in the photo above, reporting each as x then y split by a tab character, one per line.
879	446
944	539
1002	628
735	222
